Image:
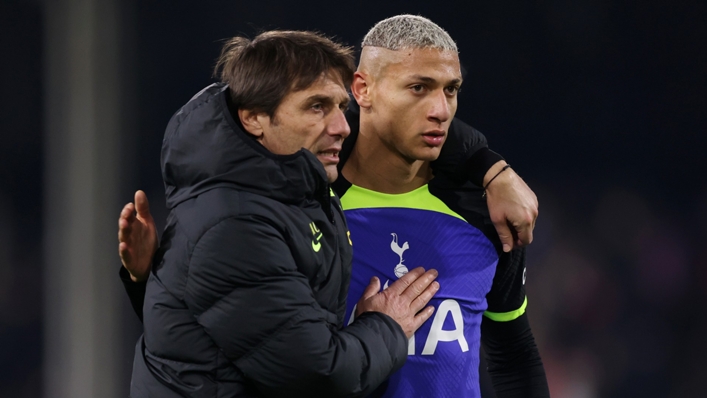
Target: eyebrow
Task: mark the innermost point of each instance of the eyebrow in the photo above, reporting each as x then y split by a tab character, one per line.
429	80
325	99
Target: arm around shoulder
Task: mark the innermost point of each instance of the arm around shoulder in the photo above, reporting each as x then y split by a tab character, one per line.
465	155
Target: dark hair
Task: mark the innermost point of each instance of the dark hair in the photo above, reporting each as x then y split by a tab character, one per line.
261	72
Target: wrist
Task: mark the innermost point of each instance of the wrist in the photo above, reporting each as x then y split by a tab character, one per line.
125	275
478	165
493	180
138	279
493	172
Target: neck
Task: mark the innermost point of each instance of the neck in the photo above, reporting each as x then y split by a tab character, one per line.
374	165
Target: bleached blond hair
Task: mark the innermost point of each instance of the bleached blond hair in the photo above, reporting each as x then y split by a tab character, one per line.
408	31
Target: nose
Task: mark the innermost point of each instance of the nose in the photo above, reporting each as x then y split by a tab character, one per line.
338	126
440	110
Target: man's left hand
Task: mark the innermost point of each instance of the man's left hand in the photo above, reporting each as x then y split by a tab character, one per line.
513	206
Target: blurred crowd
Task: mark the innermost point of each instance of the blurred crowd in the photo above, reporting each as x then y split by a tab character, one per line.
615	289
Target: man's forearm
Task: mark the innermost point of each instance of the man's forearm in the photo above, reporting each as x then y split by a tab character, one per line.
482	166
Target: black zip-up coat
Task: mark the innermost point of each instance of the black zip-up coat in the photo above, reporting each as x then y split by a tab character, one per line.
247	293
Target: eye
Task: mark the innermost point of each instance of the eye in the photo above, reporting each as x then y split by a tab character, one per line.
451	90
417	88
343	106
318	107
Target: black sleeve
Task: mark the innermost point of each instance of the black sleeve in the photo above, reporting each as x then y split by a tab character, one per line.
513	359
465	155
135	290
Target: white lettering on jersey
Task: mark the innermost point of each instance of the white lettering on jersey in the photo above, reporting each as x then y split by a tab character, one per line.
437	334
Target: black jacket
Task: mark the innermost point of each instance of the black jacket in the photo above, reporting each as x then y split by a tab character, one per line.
247	292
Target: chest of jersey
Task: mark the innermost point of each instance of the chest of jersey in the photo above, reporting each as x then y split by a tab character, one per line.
389	241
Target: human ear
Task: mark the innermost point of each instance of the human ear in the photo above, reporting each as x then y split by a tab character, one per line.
252	122
361	89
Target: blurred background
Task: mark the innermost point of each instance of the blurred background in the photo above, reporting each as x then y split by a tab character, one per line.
601	106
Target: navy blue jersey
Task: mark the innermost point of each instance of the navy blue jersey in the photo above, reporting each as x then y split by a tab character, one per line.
392	234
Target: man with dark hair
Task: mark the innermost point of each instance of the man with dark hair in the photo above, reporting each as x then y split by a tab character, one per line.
248	290
398	163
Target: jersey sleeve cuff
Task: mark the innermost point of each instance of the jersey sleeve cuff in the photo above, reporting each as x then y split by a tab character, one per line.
507	316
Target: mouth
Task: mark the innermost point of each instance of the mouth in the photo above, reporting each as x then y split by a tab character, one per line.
434	138
329	156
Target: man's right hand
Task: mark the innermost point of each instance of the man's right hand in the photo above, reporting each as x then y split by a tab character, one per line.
513	206
404	300
137	237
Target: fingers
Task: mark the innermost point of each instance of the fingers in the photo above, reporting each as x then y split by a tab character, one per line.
522	226
422	316
423	298
123	230
399	286
525	236
505	234
142	205
127	216
373	287
419	285
124	253
404	300
371	290
128	211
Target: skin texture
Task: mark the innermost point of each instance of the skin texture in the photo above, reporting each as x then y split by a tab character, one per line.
312	118
408	99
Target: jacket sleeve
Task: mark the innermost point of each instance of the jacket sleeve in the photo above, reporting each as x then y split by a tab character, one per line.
465	155
247	292
135	290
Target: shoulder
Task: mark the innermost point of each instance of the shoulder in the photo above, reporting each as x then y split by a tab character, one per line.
466	199
199	215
